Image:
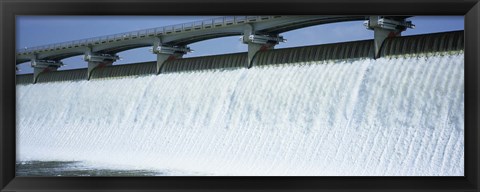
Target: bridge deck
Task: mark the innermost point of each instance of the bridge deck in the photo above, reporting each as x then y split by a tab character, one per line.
180	34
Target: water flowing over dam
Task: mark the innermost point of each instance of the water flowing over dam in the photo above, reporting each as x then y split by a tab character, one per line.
401	114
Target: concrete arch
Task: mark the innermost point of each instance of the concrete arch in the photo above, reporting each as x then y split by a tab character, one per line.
259	32
178	36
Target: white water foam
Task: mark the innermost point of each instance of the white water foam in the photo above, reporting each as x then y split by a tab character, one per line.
402	116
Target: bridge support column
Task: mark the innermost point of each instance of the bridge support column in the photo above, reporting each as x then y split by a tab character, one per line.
167	53
257	43
385	28
42	66
96	60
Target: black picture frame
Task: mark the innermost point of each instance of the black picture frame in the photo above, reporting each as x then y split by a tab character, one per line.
9	9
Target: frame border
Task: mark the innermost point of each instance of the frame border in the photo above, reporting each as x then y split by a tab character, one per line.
9	9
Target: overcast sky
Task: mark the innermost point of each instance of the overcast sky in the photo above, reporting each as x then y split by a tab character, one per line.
43	30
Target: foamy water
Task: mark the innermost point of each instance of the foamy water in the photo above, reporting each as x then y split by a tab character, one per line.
388	116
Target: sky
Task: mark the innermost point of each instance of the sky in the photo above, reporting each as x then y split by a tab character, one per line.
34	31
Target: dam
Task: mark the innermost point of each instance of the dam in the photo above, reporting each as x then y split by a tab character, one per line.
323	110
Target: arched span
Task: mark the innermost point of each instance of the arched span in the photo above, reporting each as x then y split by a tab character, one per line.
180	36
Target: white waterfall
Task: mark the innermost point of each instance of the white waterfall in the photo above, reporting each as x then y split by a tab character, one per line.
390	116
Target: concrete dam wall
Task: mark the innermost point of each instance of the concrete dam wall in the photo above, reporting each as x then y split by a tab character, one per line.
416	44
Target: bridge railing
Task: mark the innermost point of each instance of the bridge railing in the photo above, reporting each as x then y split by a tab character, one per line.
196	25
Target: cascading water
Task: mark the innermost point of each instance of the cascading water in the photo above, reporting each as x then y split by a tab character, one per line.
390	116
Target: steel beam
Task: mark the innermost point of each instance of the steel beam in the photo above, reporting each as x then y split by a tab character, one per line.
42	66
167	52
384	28
257	42
96	60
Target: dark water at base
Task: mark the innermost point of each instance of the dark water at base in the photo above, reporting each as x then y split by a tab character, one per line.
73	168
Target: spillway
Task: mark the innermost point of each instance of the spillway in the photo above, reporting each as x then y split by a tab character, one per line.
397	115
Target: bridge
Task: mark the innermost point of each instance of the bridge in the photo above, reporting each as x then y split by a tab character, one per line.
171	42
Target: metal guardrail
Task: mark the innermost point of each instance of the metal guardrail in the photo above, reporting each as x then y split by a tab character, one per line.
152	32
